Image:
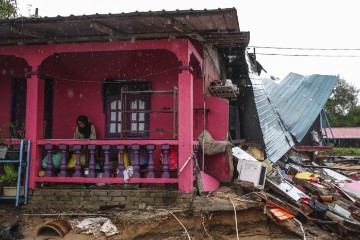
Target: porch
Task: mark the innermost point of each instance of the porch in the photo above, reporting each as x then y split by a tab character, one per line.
150	161
147	116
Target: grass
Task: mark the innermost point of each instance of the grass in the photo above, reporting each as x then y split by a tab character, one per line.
346	151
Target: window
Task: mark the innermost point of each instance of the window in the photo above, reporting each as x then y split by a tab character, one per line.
126	112
138	117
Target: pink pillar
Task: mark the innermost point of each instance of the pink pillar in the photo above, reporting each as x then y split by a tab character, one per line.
185	130
34	119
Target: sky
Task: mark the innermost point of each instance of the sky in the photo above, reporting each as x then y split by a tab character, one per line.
305	24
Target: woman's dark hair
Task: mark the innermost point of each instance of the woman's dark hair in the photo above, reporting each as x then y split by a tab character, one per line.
86	130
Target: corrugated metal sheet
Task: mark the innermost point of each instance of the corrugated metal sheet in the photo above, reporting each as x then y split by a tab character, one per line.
289	108
343	133
277	139
219	27
299	100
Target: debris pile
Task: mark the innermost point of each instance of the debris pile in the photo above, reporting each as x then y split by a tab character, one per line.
309	189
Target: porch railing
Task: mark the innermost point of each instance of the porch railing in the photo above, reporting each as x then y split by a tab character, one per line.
156	170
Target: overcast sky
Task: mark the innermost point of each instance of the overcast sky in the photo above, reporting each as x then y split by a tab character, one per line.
277	23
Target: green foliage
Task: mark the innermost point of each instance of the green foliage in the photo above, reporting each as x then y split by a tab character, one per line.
346	151
11	131
8	9
10	176
16	131
341	107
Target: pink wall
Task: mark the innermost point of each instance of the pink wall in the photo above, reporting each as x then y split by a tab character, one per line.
78	78
216	109
10	67
78	88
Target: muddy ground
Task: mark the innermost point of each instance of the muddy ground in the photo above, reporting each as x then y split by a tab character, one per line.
208	217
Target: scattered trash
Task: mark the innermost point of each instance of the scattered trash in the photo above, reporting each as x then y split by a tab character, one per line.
252	171
318	193
128	172
280	214
97	226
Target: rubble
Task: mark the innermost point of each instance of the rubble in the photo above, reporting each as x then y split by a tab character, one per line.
312	192
304	199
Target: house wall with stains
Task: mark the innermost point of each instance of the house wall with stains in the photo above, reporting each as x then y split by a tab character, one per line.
78	81
78	85
10	68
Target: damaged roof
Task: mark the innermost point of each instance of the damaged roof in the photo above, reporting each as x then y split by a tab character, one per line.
299	100
277	139
288	108
218	27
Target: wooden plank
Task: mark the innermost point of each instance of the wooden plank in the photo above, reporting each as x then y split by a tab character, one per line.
313	148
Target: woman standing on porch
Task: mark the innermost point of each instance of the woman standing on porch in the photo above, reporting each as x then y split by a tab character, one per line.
84	129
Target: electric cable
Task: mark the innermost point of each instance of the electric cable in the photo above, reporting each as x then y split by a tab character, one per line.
310	49
308	55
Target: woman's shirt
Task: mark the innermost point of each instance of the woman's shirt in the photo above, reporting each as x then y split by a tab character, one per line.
78	135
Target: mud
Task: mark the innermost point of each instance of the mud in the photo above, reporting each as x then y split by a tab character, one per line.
208	217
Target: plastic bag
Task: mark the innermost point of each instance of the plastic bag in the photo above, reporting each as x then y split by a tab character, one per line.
127	161
172	158
72	161
56	160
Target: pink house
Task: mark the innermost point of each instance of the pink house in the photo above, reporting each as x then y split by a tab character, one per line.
143	80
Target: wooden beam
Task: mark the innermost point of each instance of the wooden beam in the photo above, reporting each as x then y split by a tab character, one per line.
102	28
72	39
313	148
185	30
25	32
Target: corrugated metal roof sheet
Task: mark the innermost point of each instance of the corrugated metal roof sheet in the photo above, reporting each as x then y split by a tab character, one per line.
343	133
299	100
288	108
219	27
277	139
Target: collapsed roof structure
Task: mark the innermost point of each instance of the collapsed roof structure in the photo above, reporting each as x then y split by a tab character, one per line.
288	109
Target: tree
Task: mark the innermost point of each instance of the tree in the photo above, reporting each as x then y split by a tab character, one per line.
8	9
341	107
274	78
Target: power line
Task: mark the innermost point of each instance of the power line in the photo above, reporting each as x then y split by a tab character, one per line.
312	49
308	55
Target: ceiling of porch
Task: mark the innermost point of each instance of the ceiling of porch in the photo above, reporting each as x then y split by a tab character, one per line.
219	27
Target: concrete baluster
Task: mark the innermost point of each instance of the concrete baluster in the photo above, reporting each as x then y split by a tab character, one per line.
150	148
106	168
49	166
136	165
121	167
165	162
77	172
63	172
91	173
